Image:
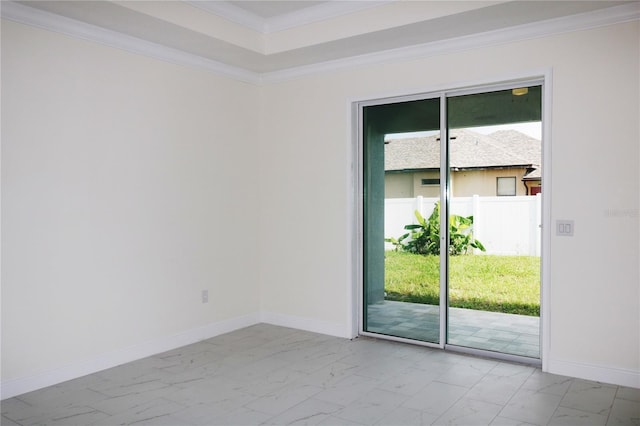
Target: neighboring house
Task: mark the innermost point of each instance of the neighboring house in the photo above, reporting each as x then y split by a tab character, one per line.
504	163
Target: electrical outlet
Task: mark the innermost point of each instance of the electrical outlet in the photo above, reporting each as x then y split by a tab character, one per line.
205	296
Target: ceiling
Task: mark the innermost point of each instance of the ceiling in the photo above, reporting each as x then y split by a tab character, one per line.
269	9
262	37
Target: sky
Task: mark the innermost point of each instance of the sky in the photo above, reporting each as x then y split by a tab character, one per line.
532	129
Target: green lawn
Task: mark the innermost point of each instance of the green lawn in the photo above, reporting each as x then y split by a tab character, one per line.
509	284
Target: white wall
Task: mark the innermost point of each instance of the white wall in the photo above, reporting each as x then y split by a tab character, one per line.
595	302
127	188
304	207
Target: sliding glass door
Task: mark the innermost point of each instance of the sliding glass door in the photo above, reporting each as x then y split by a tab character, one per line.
393	143
451	187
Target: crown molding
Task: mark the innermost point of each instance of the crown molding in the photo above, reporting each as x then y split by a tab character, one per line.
50	21
579	22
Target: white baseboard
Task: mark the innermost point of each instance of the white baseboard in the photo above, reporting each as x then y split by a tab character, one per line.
18	386
598	373
307	324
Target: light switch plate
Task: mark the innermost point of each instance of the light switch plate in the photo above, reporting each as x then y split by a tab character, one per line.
564	228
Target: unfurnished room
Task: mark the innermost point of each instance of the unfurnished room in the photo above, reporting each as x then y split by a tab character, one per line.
336	212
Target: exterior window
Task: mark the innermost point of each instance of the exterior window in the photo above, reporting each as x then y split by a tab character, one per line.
430	182
506	186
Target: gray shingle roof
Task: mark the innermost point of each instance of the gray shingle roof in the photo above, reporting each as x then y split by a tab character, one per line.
506	148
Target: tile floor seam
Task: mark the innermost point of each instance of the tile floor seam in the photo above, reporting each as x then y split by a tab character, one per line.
519	388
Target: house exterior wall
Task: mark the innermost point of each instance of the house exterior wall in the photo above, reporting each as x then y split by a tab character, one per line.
484	182
398	185
463	183
425	190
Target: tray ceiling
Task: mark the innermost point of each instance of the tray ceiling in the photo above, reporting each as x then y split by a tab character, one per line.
262	37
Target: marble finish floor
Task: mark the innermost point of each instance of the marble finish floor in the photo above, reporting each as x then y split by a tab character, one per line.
269	375
492	331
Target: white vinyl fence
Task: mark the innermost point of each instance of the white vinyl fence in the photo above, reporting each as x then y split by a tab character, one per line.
504	225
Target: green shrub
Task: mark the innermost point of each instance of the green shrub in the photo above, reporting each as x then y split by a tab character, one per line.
424	237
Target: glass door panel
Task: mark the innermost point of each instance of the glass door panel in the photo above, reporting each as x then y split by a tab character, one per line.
495	160
401	188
